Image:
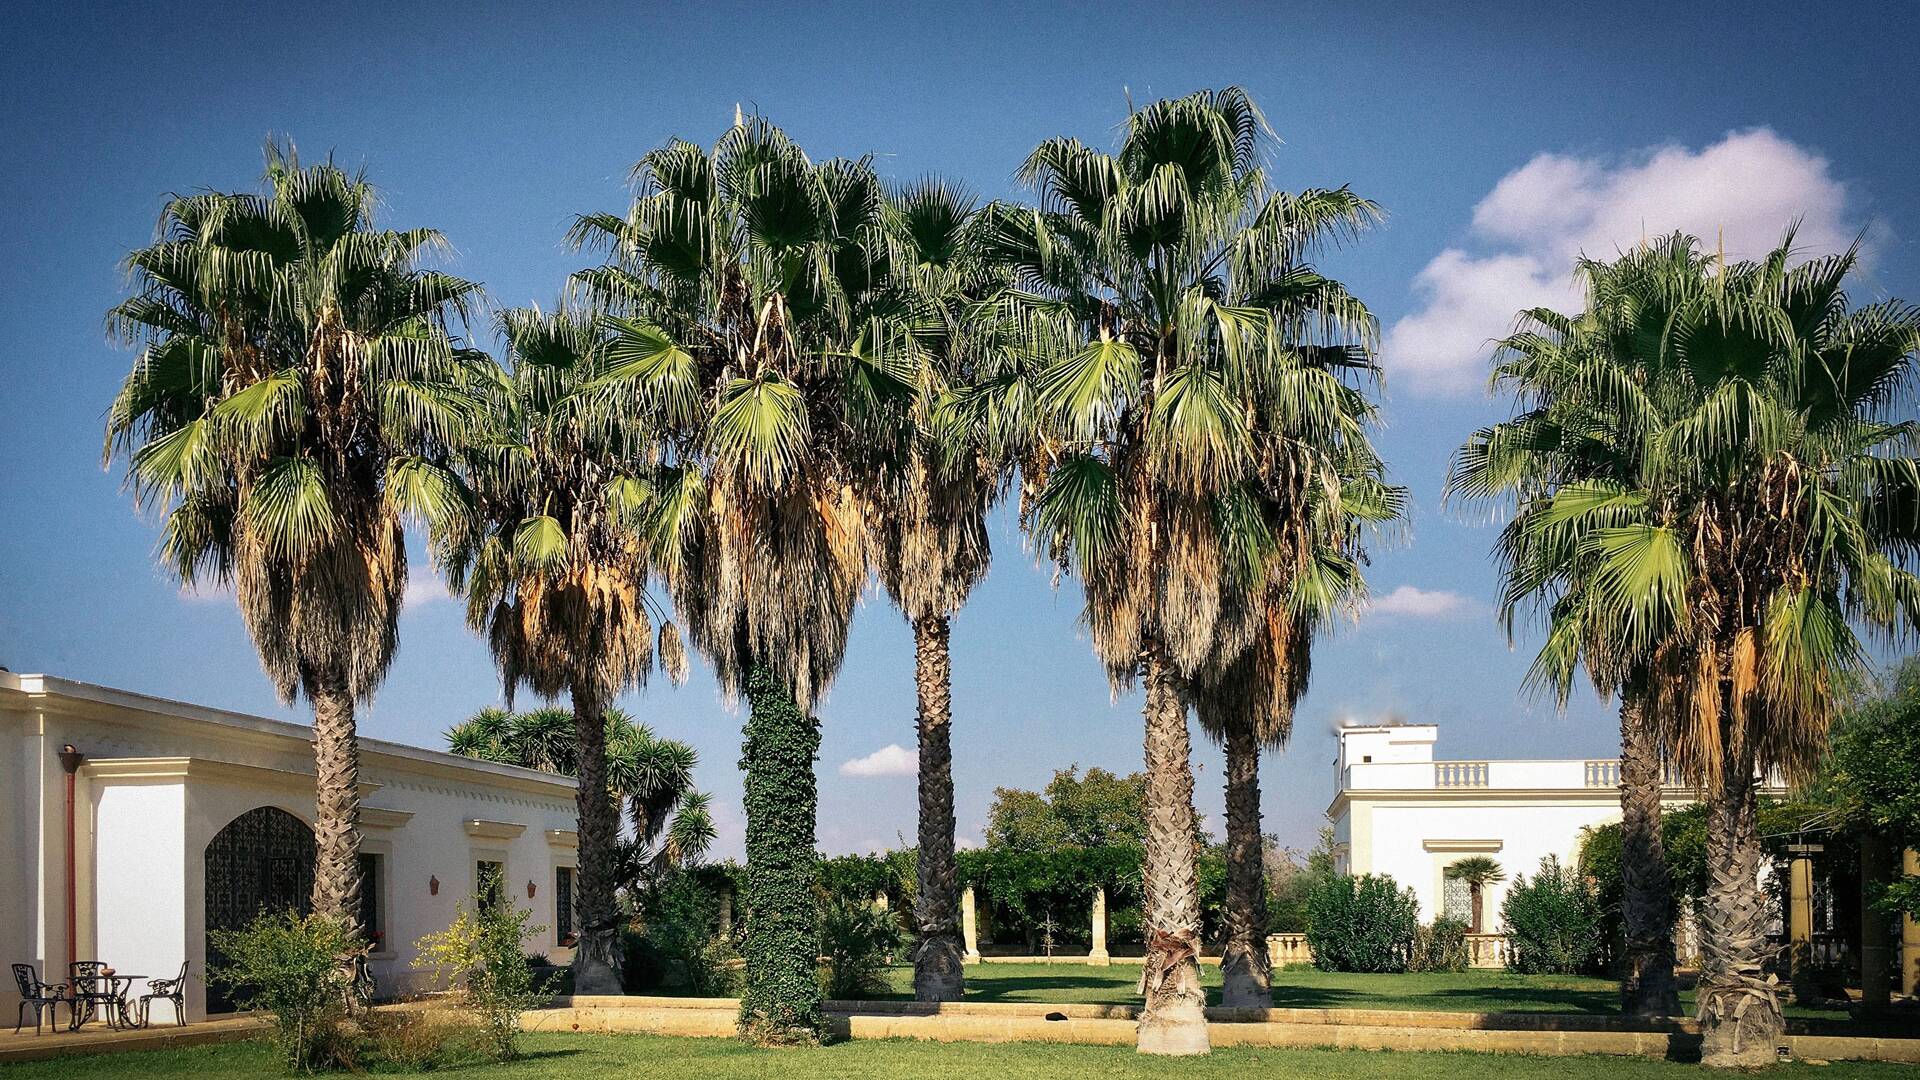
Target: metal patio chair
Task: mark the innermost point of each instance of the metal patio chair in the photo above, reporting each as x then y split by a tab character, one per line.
46	999
174	990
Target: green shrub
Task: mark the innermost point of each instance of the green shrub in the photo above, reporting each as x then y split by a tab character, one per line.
1553	922
289	965
1440	946
483	957
679	943
857	941
1364	923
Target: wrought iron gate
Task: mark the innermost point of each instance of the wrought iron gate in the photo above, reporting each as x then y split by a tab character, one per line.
261	862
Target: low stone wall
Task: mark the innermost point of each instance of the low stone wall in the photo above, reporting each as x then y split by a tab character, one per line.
1548	1034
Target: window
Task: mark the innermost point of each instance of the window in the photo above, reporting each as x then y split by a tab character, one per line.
371	881
492	878
563	905
1457	900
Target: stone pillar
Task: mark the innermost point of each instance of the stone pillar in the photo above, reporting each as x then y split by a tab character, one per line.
969	929
1800	921
1876	968
1098	956
1910	934
726	913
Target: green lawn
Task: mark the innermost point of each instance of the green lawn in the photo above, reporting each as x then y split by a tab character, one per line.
606	1057
1472	991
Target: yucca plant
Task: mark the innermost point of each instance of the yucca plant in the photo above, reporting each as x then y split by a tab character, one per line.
557	579
1194	391
752	324
1712	502
300	394
651	775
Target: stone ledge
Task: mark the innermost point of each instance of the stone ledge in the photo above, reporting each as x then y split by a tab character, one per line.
1544	1034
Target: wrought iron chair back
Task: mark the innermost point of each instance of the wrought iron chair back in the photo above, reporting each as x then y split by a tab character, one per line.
42	997
173	990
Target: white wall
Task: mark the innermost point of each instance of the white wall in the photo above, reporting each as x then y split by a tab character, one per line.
1523	832
139	916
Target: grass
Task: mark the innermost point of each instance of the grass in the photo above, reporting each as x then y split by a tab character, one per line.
606	1057
1471	991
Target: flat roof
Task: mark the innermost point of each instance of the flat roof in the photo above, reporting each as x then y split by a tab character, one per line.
43	685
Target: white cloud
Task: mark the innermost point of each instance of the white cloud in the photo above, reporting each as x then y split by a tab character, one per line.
1417	603
423	590
1528	230
890	760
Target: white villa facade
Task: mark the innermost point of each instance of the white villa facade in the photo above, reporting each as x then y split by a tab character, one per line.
182	819
1398	811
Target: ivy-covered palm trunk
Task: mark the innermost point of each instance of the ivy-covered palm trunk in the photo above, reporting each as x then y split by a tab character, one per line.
1741	1024
782	1001
336	818
1244	967
597	955
938	974
1647	986
1173	1020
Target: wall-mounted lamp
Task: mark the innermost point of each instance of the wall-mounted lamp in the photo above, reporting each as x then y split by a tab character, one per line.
530	888
433	885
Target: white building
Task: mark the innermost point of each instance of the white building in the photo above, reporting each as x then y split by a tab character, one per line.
183	819
1399	812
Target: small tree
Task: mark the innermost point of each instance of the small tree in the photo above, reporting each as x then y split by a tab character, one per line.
1365	923
289	965
1552	922
483	956
1478	872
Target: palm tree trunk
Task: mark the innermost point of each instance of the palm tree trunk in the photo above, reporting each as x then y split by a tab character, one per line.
937	964
1740	1020
597	955
1244	969
1173	1020
782	1002
336	818
1647	987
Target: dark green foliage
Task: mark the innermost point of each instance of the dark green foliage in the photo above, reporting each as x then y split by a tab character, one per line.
289	965
1552	922
1365	923
1289	883
679	944
862	877
1440	946
1876	766
781	1003
1100	809
1022	888
858	942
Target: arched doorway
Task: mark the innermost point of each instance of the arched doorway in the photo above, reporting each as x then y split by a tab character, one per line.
261	862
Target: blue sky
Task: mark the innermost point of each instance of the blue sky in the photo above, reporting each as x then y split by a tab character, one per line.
1501	143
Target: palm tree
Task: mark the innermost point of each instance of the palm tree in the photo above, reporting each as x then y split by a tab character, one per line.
1768	499
1533	457
930	534
1182	423
556	579
1247	706
1477	872
299	396
747	300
